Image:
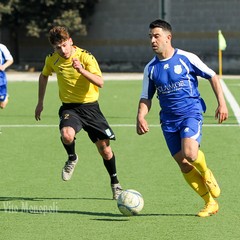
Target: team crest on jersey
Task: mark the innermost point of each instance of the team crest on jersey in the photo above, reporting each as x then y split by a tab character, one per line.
178	69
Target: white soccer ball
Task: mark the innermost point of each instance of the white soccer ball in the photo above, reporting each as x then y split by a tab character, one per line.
130	202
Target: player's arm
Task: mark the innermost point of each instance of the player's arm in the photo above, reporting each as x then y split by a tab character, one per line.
7	55
221	112
93	78
145	102
6	64
42	85
143	109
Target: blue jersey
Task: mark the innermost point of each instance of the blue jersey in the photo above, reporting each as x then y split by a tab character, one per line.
4	56
175	81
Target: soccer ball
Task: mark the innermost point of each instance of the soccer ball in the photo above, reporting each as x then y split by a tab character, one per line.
130	202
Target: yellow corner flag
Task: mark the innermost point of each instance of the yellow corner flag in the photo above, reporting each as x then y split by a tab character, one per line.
221	47
221	41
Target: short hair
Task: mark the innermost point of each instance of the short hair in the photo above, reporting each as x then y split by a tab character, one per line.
58	34
161	24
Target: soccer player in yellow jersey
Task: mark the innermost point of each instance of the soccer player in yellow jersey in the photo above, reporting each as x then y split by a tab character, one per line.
79	79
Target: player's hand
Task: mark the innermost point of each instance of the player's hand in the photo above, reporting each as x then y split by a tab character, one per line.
221	113
142	126
38	111
2	68
77	65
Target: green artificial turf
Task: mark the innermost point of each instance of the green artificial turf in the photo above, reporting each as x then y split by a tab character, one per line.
36	204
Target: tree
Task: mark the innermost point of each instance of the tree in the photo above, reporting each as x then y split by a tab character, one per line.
35	17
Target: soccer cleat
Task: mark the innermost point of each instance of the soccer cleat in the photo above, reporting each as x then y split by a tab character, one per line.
212	185
209	209
68	169
116	190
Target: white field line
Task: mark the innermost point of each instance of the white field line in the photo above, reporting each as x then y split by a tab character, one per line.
232	101
112	125
229	97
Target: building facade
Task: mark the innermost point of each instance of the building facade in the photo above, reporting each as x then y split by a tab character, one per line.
118	33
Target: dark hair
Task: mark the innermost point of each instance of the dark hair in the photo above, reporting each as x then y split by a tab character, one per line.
161	24
58	34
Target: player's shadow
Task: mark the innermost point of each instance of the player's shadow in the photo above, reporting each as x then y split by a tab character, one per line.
168	215
11	208
27	206
45	198
111	216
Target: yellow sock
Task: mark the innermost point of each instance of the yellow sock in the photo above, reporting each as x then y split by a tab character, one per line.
200	164
195	180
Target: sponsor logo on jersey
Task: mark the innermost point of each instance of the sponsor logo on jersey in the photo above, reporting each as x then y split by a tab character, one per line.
109	133
166	66
171	87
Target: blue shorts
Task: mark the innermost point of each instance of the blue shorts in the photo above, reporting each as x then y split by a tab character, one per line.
3	92
187	128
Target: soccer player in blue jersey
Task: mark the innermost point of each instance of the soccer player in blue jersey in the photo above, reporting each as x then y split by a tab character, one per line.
172	74
6	60
79	79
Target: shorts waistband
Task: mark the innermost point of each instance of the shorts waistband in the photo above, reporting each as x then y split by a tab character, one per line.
79	104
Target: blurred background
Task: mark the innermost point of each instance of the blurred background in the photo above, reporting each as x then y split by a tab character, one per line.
116	32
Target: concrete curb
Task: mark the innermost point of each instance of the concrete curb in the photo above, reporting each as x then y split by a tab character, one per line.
33	76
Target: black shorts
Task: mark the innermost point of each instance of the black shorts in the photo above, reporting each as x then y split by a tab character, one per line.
87	116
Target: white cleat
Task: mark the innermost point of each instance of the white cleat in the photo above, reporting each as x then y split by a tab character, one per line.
68	169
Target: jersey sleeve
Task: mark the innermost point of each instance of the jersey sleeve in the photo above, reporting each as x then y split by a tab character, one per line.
90	64
47	70
148	87
199	67
6	53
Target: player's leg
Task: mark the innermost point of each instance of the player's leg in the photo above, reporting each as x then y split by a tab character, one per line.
3	96
210	181
101	133
195	180
69	126
193	177
4	103
190	140
179	150
108	156
68	141
191	137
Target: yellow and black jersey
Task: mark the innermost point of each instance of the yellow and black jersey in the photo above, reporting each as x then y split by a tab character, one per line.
73	86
